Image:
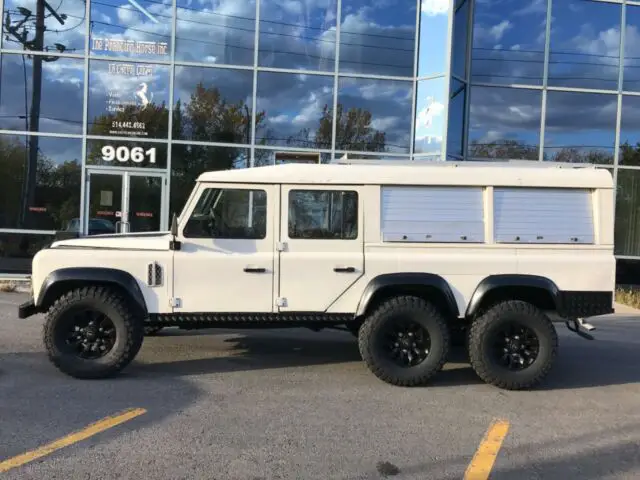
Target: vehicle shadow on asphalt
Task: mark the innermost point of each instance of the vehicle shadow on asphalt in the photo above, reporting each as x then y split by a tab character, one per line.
580	363
40	404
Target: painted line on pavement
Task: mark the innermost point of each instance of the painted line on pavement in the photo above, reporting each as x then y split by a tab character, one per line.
482	462
89	431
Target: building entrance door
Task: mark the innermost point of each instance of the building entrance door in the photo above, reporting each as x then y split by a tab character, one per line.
124	201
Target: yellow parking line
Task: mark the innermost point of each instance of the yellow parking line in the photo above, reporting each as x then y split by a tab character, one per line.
482	462
100	426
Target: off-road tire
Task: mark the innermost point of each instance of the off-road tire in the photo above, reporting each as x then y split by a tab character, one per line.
420	311
129	332
498	315
151	331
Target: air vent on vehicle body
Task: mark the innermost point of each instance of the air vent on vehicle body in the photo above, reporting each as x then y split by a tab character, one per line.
154	274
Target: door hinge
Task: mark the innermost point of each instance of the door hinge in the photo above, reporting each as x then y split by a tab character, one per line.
281	246
175	302
281	302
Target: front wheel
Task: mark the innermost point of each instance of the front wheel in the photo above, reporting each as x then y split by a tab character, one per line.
90	332
513	345
405	341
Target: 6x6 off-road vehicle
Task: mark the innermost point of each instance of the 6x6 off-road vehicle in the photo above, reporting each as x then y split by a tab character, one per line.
407	257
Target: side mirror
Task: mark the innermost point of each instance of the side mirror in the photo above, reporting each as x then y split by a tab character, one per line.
174	225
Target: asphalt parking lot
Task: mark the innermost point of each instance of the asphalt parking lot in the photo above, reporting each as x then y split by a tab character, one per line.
298	404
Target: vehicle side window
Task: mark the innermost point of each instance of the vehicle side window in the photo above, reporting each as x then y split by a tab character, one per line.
323	214
231	213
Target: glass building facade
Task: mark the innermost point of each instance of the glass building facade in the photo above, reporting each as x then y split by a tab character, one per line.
110	109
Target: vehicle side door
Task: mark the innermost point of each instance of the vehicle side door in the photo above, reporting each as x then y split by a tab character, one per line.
226	259
322	245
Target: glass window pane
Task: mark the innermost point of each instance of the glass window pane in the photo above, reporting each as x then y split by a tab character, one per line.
212	104
119	153
374	115
229	213
504	123
455	125
508	42
189	161
585	44
128	99
18	249
139	30
460	33
55	107
434	38
298	35
216	32
63	32
40	179
627	222
378	37
431	104
323	215
631	74
580	127
630	131
294	110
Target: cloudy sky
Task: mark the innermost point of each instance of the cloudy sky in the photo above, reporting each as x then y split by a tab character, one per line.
377	37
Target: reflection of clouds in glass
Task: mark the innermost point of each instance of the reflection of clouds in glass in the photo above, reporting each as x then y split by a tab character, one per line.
435	7
60	100
584	122
294	107
221	32
298	35
631	74
504	123
377	38
133	29
387	102
585	44
508	41
430	109
434	37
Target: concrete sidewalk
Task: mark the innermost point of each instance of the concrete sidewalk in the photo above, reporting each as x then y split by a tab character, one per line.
626	310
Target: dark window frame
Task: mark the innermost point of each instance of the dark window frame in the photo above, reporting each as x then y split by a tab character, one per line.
261	232
355	234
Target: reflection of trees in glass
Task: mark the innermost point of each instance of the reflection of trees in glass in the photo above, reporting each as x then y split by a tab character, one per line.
56	193
627	221
629	154
516	150
353	132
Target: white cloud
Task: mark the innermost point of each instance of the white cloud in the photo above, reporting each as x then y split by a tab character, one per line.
435	7
497	31
425	117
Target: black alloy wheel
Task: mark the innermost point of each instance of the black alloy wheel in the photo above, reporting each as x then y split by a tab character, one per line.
89	334
516	346
406	343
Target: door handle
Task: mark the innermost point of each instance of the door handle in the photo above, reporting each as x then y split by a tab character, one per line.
254	270
344	269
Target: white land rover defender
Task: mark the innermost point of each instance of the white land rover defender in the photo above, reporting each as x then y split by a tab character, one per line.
407	257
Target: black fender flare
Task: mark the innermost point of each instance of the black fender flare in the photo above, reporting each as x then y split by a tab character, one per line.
511	280
89	275
407	279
